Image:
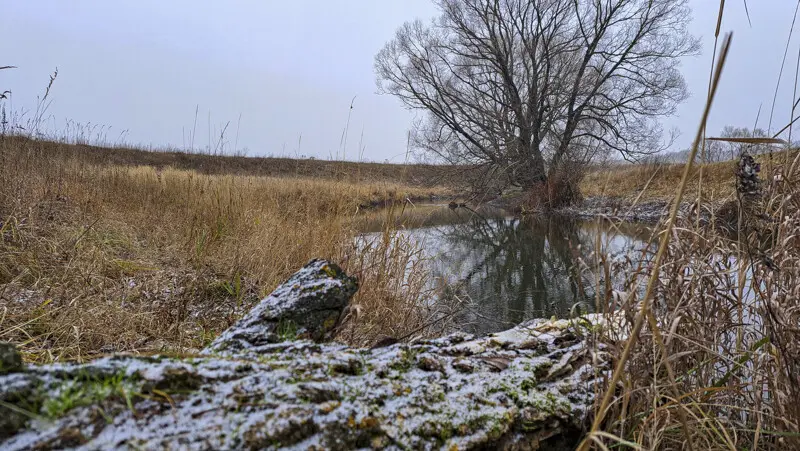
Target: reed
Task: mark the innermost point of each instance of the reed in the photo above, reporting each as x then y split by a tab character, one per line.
709	359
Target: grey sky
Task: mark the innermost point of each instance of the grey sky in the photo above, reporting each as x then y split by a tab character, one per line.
292	67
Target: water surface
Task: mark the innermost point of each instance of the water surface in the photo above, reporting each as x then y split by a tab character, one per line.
509	269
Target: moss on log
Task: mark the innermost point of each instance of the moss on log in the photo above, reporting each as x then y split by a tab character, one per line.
256	388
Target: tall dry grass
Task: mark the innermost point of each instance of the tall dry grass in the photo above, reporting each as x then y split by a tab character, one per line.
657	180
98	258
717	363
708	357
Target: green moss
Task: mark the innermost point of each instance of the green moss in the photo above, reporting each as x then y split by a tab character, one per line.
331	270
86	391
549	404
17	407
286	330
446	433
329	323
438	429
296	379
434	393
207	337
555	404
267	358
477	423
528	384
298	375
405	360
592	328
496	429
509	390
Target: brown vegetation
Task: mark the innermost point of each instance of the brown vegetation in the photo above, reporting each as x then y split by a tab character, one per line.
709	355
109	255
419	175
658	181
100	253
715	364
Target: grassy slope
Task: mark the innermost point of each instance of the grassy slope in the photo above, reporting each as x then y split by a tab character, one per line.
659	181
410	174
101	254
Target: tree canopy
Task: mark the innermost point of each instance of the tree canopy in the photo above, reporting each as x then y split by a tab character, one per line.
522	87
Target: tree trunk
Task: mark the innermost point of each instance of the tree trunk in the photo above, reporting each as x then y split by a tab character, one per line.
259	386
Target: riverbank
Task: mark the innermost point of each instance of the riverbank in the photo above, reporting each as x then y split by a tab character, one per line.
620	209
644	192
100	256
102	259
629	184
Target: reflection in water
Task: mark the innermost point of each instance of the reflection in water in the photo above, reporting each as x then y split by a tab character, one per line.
511	270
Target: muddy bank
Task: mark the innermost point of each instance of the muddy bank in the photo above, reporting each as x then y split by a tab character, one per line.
395	201
616	208
619	209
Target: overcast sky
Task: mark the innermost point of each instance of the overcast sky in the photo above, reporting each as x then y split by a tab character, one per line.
291	68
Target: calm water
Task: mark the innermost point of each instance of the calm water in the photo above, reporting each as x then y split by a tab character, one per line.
510	270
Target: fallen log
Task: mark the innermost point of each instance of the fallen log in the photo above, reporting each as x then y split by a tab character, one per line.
270	381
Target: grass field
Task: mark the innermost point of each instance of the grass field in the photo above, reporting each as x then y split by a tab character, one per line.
107	250
100	254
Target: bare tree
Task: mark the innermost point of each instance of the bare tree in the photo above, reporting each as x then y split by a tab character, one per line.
523	87
733	149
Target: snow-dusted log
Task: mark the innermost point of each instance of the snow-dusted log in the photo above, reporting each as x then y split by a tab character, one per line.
262	385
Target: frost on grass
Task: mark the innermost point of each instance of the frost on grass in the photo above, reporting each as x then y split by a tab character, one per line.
516	388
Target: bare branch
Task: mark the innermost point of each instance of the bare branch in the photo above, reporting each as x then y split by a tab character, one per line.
522	86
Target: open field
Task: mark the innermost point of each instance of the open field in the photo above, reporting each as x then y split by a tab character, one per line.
115	251
403	174
182	243
101	254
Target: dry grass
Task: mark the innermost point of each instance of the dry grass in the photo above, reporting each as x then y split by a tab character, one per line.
73	144
657	181
709	356
395	306
110	256
99	258
726	316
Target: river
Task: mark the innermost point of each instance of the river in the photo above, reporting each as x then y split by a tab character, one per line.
505	269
